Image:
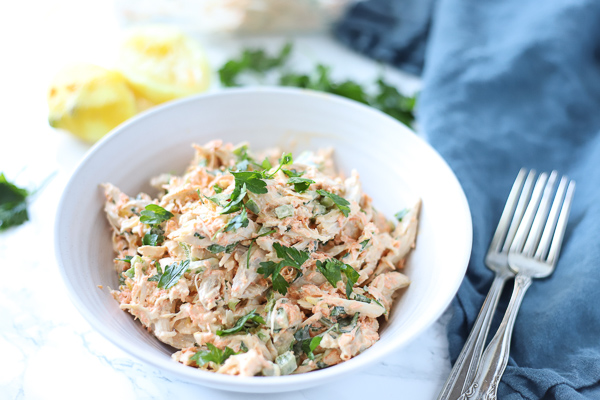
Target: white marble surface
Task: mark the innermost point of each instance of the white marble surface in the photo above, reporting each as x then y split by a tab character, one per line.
47	350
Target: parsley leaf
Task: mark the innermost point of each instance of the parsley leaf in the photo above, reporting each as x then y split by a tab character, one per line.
364	244
304	343
291	257
152	239
217	248
235	200
213	354
13	204
248	321
127	259
300	184
252	60
154	214
292	173
332	271
252	180
385	98
401	214
237	222
170	276
341	203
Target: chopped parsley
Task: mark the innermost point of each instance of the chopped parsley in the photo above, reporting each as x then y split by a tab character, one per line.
127	259
217	248
301	185
170	276
248	321
199	236
253	181
236	199
154	215
341	203
364	244
332	270
304	343
237	222
290	257
401	214
213	354
13	204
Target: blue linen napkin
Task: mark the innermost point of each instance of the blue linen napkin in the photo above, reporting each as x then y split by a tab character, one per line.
511	84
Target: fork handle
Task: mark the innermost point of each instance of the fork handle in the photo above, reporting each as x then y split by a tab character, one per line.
465	366
494	359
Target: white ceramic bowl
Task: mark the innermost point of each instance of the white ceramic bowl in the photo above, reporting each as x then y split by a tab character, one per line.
396	167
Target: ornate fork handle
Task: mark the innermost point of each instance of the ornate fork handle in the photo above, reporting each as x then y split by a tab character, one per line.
494	359
465	366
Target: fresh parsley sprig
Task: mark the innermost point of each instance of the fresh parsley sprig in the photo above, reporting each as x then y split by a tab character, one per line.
290	257
213	354
385	98
332	270
248	321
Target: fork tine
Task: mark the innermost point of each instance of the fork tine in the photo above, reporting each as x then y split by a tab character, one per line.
561	225
519	210
540	217
545	241
525	225
507	213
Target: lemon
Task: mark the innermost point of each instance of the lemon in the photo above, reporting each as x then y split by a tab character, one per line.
89	101
162	64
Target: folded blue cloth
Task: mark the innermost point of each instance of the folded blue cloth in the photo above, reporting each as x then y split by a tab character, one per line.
511	84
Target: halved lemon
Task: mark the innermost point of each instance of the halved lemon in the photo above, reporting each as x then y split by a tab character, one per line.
89	101
162	64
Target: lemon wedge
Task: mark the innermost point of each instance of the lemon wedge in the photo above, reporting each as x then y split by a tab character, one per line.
89	101
162	64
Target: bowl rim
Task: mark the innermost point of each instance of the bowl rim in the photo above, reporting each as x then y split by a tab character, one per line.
276	383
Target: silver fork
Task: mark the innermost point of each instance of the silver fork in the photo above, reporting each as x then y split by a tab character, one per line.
496	259
533	254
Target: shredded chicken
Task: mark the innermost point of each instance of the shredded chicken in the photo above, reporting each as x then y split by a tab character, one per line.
253	267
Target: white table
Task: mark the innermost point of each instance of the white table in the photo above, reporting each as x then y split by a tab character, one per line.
47	350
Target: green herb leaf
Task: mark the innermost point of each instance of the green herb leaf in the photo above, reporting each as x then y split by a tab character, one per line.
154	214
290	257
213	354
252	60
199	236
364	244
292	173
127	259
332	270
361	298
217	189
252	206
172	273
252	180
300	184
152	239
237	222
401	214
248	321
341	203
236	200
304	343
266	164
216	248
13	204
